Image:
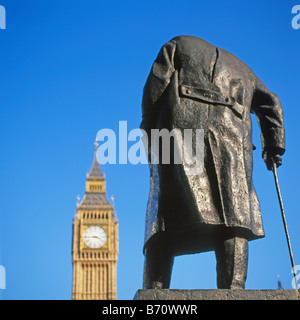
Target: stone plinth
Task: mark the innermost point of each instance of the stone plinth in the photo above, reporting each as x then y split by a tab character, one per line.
223	294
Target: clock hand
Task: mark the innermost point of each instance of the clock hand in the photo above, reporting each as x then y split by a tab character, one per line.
91	237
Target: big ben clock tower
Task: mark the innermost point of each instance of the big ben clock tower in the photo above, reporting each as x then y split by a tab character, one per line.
95	242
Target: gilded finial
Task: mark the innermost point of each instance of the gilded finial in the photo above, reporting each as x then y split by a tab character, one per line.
78	200
112	200
96	144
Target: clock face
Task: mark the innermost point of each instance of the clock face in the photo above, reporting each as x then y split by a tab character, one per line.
94	237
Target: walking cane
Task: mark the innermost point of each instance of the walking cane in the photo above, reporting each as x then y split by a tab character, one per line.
274	169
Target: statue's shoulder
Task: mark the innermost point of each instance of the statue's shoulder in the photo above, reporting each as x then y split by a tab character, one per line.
186	39
188	44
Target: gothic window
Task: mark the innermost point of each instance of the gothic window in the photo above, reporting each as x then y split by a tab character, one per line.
86	280
98	279
91	282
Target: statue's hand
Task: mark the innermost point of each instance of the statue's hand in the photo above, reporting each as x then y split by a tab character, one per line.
272	155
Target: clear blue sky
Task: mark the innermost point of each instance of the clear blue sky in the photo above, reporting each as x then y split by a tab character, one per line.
71	68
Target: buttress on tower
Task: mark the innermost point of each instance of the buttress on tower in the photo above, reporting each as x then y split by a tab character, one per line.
95	242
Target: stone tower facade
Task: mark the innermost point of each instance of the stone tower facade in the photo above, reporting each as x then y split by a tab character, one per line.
95	242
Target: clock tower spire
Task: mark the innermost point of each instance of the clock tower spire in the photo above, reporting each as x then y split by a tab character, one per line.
95	241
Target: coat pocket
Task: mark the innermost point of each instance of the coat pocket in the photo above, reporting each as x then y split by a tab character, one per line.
211	97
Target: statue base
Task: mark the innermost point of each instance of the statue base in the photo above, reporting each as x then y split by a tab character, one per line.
220	294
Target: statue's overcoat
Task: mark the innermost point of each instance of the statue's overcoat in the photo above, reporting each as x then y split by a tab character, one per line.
195	85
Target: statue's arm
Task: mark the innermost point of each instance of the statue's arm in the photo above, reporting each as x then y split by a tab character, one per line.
269	113
157	81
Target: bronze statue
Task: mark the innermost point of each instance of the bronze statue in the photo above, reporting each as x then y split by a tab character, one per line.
195	85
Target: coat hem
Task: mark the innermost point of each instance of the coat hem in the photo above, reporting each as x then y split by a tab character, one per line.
201	237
